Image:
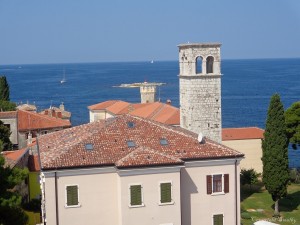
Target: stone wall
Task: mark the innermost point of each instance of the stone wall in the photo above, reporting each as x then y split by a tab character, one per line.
200	92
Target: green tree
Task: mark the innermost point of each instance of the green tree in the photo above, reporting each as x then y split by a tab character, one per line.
249	176
10	201
4	89
275	152
4	137
292	120
5	104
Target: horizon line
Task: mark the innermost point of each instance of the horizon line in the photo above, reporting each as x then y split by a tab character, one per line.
139	61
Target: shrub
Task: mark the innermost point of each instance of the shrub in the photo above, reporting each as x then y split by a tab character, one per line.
295	176
245	215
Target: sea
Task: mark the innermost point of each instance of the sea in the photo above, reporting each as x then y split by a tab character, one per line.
247	86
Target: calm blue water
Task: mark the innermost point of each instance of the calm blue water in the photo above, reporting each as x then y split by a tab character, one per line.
247	86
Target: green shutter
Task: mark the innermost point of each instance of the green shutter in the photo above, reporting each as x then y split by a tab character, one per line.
136	195
218	219
72	195
165	192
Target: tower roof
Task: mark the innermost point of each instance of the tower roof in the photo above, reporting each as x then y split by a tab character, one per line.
202	45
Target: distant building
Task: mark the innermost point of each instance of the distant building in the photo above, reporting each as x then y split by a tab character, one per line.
18	158
247	140
157	111
27	107
57	112
25	125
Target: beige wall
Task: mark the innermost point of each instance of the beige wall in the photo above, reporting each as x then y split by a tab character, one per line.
252	150
104	195
197	205
97	196
99	115
152	213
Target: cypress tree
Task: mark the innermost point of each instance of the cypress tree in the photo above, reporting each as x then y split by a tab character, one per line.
4	89
275	152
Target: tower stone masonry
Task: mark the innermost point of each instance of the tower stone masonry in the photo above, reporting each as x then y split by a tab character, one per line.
200	89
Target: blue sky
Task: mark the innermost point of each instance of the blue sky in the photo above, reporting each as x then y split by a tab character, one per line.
61	31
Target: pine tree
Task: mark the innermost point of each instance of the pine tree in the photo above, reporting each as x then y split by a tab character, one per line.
292	120
4	89
275	152
5	104
4	137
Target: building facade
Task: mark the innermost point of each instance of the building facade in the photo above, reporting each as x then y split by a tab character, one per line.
128	170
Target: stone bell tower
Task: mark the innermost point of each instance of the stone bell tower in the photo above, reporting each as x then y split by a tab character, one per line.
200	89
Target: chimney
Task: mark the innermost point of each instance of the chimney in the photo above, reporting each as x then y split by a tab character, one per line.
62	107
46	112
53	114
29	140
168	102
59	115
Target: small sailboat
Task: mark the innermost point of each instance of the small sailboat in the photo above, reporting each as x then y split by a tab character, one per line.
64	78
152	61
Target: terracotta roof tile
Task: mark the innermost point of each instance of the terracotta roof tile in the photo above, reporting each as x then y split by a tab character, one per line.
13	157
67	148
144	156
33	121
113	106
8	114
242	133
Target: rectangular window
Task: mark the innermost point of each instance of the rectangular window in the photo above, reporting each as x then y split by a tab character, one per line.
165	193
136	195
218	219
72	195
217	183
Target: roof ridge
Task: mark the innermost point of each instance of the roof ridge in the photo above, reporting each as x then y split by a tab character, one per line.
146	149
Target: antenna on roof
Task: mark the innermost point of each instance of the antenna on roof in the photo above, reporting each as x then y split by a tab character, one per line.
201	139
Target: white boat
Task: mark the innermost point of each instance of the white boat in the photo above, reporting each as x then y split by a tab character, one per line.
152	61
64	78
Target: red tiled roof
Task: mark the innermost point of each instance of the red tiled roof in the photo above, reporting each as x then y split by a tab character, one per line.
33	163
156	111
8	114
113	106
66	148
34	121
242	133
12	157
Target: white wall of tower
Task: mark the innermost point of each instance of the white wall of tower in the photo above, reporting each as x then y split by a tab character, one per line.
200	93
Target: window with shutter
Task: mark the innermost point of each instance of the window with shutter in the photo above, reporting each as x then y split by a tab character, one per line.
72	195
165	193
217	183
218	219
226	183
135	195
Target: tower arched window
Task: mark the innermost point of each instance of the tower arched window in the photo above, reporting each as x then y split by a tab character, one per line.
209	64
199	60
